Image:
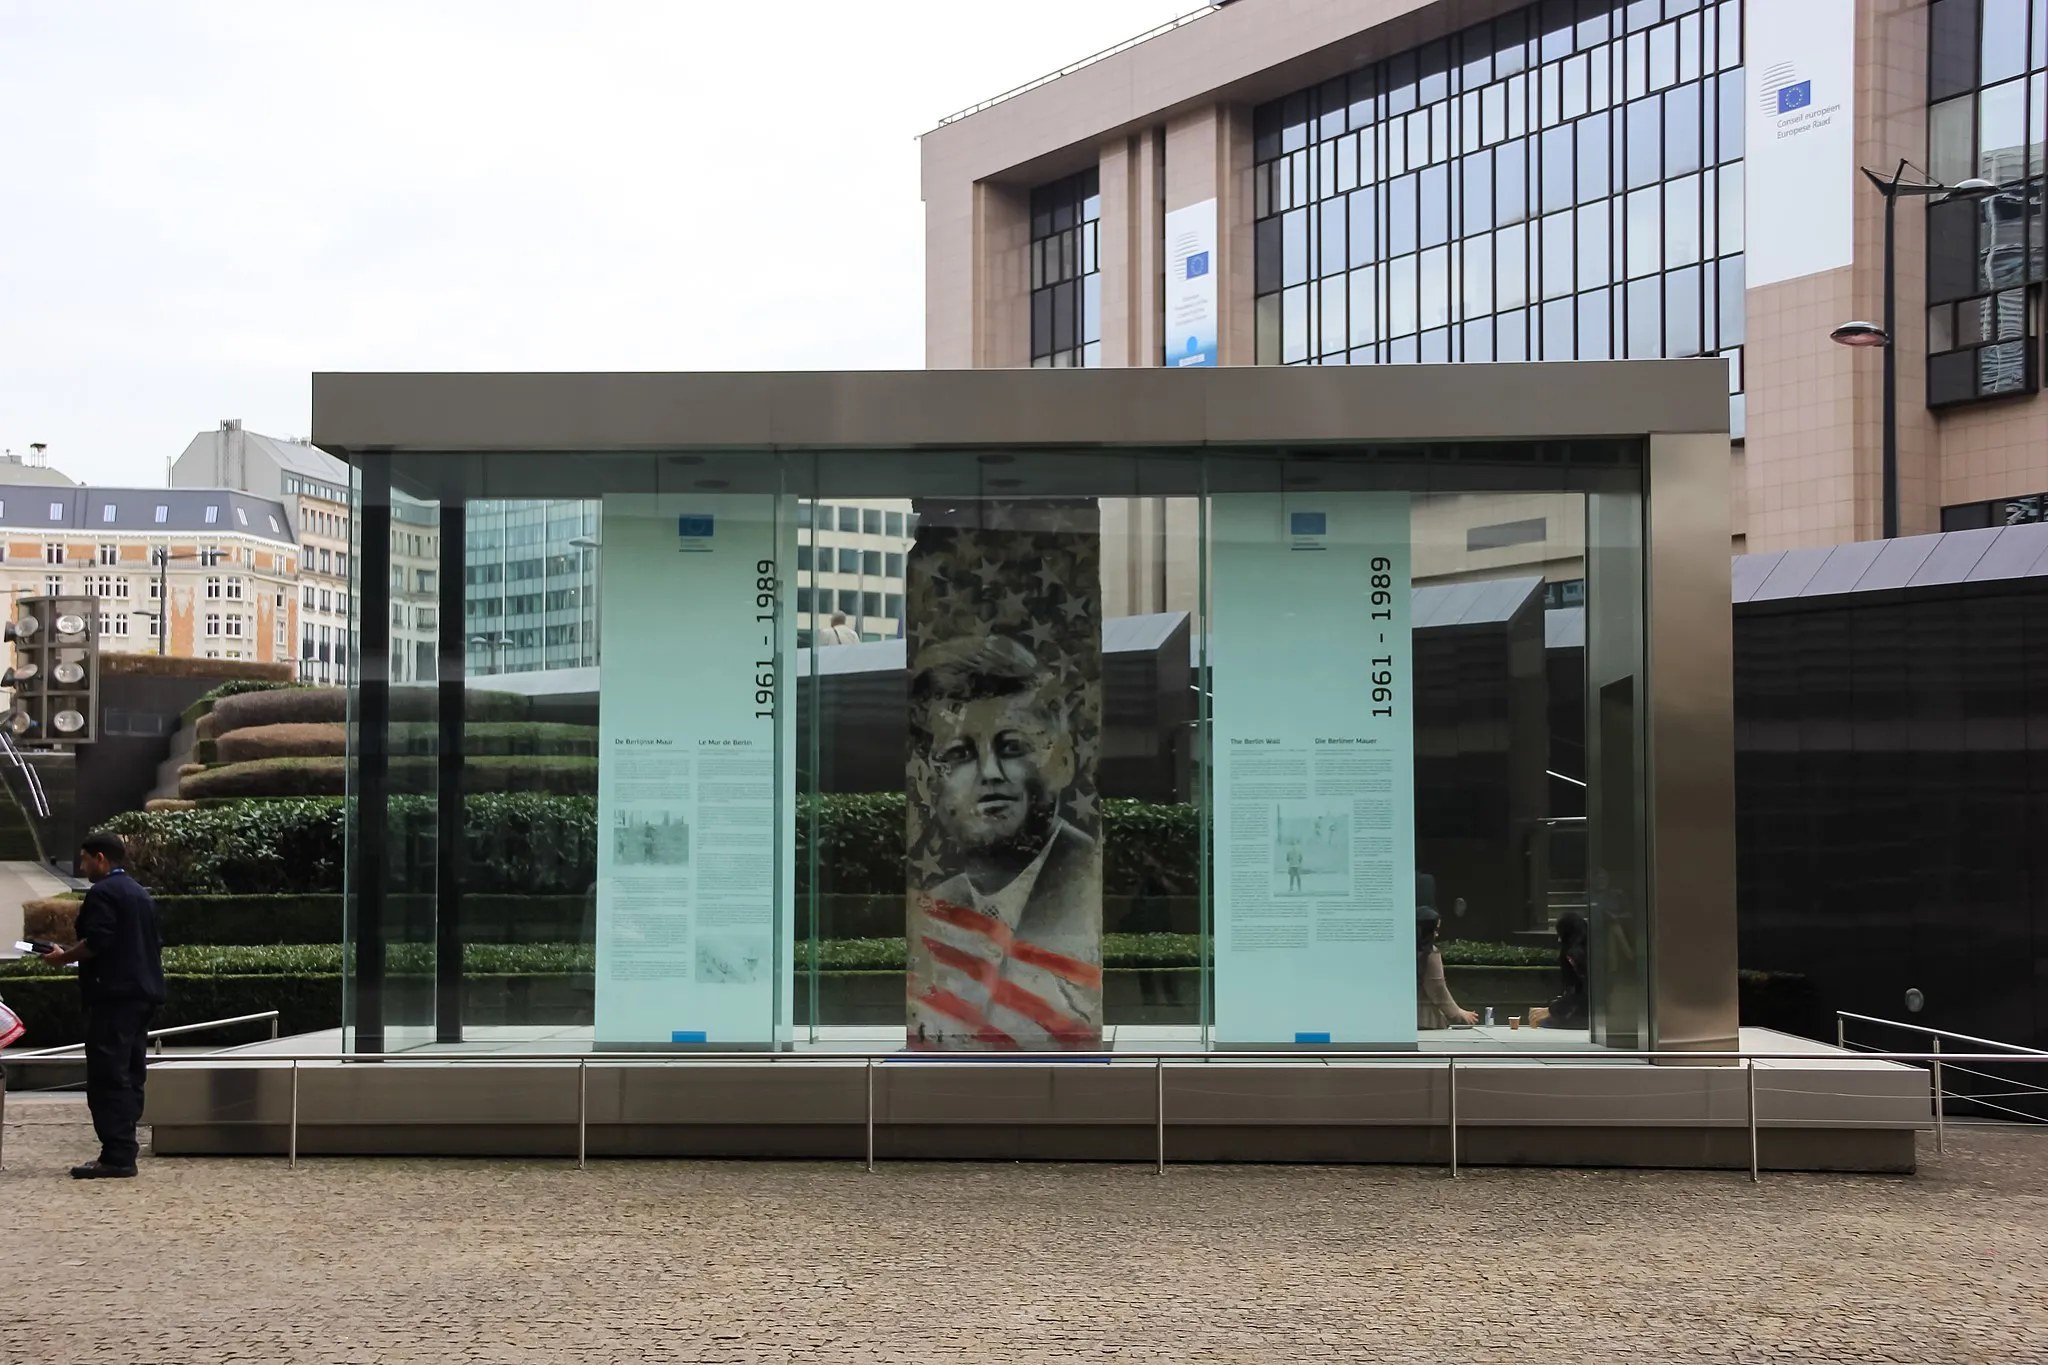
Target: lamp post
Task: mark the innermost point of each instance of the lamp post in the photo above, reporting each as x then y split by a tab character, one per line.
595	548
1871	334
494	644
163	595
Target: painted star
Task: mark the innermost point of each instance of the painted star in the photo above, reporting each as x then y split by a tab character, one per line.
928	867
989	572
1047	577
1041	633
1076	606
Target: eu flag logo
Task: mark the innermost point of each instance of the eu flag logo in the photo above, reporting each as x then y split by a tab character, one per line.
1198	264
1792	97
693	527
1309	523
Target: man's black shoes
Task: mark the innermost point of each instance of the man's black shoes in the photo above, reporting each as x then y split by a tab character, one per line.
95	1170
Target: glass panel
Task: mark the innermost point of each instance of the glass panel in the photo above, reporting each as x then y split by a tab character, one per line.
1511	278
1477	205
1334	335
1558	255
1593	179
2004	45
1594	250
1645	231
1595	343
2002	132
1682	222
1477	294
1364	306
1952	42
1645	319
1682	130
1682	313
1645	142
1950	142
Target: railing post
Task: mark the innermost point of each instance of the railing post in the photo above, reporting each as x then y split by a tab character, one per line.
1841	1032
273	1026
582	1113
1159	1112
1749	1084
292	1151
1452	1072
871	1114
1939	1107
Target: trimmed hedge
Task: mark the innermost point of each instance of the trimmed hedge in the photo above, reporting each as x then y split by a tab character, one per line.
234	687
519	843
556	775
329	705
318	918
489	739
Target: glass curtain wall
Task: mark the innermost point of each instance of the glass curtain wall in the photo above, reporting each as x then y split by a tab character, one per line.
1987	258
1563	182
1017	816
1066	278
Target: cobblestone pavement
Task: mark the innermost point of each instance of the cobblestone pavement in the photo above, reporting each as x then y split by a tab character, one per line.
398	1261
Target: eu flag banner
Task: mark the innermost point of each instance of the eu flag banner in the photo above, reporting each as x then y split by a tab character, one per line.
1792	97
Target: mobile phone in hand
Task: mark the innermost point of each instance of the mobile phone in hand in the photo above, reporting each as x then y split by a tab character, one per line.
37	947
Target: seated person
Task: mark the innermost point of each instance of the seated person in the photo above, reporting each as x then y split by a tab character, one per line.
1434	1006
1569	1009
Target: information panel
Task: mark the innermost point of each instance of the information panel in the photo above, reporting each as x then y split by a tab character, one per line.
1314	769
1191	285
695	878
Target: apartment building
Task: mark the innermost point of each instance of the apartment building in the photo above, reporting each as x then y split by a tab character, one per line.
199	572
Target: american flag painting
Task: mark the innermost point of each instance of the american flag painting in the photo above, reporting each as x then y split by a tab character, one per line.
1004	646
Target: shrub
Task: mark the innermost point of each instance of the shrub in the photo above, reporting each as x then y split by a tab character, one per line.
409	774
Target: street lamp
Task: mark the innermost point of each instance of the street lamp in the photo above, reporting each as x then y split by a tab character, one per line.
595	546
494	643
1871	334
163	596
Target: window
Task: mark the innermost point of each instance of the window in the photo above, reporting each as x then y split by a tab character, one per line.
213	587
803	515
234	626
1066	280
241	516
153	586
871	562
341	563
2016	511
1492	197
870	521
213	623
895	523
211	556
99	585
56	511
212	515
114	623
163	513
275	529
110	554
892	606
53	554
803	558
871	604
306	598
424	578
849	601
149	627
326	599
53	586
1987	257
849	519
121	588
107	511
326	562
849	560
234	589
893	564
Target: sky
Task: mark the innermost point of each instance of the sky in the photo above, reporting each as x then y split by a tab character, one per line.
204	201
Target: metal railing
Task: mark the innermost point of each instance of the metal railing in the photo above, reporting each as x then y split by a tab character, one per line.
1934	1036
1071	67
70	1053
1159	1061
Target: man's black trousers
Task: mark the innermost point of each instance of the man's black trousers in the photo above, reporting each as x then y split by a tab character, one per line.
116	1062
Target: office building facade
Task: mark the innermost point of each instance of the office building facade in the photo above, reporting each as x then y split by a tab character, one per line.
1404	182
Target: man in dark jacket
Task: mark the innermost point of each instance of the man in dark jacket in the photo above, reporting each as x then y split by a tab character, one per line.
121	972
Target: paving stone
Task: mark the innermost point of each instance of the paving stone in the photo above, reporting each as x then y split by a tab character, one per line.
394	1261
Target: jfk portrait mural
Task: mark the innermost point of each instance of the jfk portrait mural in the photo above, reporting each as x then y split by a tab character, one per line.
1004	914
